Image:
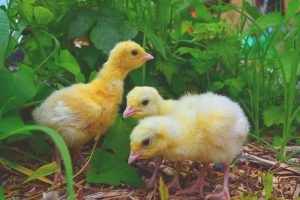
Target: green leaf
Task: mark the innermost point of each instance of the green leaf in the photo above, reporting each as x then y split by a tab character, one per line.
26	11
81	22
186	50
111	16
10	123
16	88
292	9
117	137
266	21
268	184
203	13
42	15
39	144
105	37
4	35
167	68
111	169
158	43
273	115
288	59
43	171
178	84
68	62
29	1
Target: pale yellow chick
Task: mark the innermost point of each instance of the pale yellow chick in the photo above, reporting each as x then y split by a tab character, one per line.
144	101
82	112
207	127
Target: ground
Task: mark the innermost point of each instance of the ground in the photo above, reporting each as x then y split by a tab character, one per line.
245	179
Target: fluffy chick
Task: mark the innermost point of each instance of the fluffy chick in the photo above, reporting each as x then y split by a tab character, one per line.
144	102
207	127
82	112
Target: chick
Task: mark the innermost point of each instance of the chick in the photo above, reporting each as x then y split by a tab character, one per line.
207	127
144	102
82	112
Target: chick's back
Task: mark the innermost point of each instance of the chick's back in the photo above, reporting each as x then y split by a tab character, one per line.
77	113
216	121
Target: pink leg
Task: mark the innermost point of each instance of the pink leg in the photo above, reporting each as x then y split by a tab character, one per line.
79	158
175	183
58	177
224	194
199	185
153	181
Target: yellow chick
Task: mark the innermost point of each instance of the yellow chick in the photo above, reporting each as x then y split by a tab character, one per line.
144	102
82	112
208	127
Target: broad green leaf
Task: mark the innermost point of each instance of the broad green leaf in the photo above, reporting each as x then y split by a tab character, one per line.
158	43
187	50
268	184
16	87
266	21
110	16
81	22
203	13
43	171
26	11
292	9
236	85
4	33
68	62
29	1
178	84
104	37
10	123
111	169
117	137
273	115
42	15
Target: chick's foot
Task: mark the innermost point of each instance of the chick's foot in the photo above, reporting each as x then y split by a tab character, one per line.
222	195
58	177
175	183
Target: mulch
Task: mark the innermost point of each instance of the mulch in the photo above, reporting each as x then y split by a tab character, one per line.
246	179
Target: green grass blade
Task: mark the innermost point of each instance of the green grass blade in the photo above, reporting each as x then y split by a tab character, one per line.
60	144
2	197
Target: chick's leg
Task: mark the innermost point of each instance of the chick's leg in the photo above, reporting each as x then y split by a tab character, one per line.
58	177
175	183
200	183
76	151
153	180
224	194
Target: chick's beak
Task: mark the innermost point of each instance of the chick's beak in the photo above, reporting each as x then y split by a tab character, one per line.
133	156
147	57
129	111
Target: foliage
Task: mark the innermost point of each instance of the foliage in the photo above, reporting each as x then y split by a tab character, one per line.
256	66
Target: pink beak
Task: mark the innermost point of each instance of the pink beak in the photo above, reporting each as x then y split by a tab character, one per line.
148	57
133	156
129	111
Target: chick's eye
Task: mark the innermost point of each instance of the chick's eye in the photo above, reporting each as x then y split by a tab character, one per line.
145	102
134	52
146	142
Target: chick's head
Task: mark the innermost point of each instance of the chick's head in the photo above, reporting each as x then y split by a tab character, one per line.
142	102
151	137
129	55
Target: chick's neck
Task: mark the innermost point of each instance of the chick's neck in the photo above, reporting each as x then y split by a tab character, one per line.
111	71
165	106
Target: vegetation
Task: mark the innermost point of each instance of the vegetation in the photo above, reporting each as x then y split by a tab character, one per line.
195	50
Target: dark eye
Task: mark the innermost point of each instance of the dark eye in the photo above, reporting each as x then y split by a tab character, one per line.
134	52
146	142
145	102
